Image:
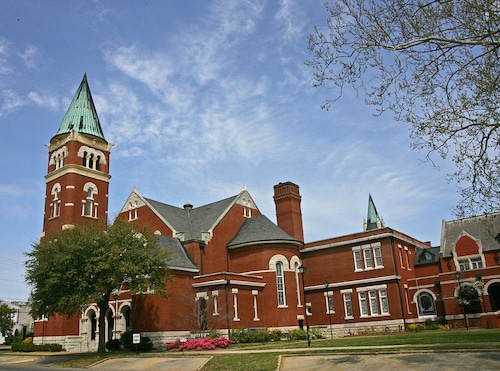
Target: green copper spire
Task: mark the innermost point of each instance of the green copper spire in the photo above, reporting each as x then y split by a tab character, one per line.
373	220
81	115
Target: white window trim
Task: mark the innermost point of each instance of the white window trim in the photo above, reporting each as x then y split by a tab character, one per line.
235	304
344	293
329	294
367	254
255	312
215	296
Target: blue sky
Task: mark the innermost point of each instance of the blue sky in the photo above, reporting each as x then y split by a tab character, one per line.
200	99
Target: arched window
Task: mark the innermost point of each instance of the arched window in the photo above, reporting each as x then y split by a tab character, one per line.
426	305
89	202
297	284
89	207
280	284
91	157
55	207
57	157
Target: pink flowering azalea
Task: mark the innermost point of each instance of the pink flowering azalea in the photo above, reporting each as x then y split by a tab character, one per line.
200	344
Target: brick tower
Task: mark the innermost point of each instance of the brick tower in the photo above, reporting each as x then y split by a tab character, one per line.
77	183
78	168
288	212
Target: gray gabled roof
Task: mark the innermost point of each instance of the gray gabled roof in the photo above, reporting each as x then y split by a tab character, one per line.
482	228
260	229
426	256
199	219
179	257
81	115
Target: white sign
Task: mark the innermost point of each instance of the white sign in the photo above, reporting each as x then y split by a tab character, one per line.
136	338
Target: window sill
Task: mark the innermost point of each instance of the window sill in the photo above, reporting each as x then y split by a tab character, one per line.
282	306
89	217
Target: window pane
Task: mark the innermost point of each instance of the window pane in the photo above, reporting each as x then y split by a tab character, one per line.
378	256
476	263
373	302
383	301
348	305
464	265
358	261
280	283
363	306
368	258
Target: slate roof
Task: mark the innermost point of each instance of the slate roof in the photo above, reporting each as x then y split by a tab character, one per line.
179	259
259	229
81	115
200	219
484	228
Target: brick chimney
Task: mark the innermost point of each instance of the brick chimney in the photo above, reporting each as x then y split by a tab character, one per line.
288	213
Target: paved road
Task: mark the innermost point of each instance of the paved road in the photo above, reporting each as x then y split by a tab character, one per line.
153	363
428	361
445	361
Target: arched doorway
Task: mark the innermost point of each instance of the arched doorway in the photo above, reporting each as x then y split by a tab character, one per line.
92	324
494	295
110	324
127	316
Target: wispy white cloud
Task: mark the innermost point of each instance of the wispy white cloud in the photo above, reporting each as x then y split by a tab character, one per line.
291	18
47	100
10	101
29	56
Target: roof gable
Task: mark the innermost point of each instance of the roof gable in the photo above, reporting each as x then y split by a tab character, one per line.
482	229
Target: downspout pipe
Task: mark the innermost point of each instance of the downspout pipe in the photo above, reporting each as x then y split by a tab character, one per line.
391	232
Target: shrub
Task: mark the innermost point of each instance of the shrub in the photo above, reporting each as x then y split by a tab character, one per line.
214	334
30	347
415	327
28	340
255	336
113	345
23	347
126	339
146	344
297	334
276	335
316	333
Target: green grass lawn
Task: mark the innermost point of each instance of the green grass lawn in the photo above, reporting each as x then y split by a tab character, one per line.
461	339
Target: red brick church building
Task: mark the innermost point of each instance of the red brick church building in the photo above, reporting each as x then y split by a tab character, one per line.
235	268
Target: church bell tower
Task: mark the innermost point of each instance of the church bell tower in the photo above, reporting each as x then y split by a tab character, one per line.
78	168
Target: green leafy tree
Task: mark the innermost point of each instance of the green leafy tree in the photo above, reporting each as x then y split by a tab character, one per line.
83	265
6	322
435	65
